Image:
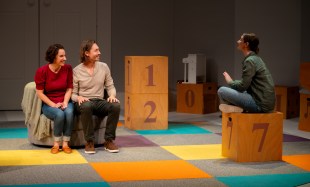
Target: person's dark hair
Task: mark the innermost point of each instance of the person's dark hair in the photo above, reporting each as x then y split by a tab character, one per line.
253	41
52	52
86	45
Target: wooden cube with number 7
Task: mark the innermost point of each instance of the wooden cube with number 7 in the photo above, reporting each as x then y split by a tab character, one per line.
146	111
146	74
250	137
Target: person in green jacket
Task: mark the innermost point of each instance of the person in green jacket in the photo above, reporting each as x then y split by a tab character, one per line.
254	93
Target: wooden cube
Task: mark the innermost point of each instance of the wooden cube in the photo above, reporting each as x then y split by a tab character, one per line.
287	101
304	116
146	74
146	111
197	98
304	75
252	137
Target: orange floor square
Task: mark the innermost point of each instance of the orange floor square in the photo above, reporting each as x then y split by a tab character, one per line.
148	170
301	161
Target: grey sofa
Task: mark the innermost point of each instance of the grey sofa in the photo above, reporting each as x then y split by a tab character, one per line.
40	128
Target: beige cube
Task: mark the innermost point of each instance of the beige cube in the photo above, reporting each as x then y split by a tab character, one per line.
287	101
304	75
146	74
197	98
146	111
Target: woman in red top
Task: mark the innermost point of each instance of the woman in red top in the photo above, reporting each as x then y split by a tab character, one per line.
54	87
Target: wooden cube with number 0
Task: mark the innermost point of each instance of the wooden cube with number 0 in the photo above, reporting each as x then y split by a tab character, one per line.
248	137
197	98
146	74
146	111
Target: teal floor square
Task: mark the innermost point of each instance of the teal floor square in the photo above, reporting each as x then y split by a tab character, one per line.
176	129
273	180
13	133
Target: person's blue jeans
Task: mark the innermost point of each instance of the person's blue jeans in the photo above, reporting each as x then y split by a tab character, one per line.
241	99
63	120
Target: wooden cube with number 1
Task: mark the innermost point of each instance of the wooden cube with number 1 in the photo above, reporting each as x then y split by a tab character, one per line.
146	74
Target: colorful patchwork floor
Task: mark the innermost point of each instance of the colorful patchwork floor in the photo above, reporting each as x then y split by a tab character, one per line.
188	153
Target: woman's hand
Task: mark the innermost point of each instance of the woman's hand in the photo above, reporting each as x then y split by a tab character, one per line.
227	77
64	105
57	105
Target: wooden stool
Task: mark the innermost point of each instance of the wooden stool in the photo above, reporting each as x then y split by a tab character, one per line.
287	101
252	137
304	80
304	117
304	75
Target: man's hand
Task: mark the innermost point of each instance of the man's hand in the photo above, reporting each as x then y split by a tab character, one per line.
82	99
112	99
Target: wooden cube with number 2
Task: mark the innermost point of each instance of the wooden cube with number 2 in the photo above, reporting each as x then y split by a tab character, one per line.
146	111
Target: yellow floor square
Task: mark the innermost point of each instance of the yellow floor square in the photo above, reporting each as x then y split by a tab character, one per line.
196	152
148	170
38	157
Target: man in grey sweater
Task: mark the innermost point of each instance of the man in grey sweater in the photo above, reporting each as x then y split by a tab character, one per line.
90	78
